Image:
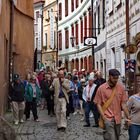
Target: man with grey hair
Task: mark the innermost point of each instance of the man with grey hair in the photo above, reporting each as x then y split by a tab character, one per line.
88	93
60	86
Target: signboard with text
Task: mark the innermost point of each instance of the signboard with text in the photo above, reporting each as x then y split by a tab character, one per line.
89	41
52	29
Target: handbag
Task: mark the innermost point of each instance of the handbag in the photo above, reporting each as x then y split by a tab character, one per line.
105	106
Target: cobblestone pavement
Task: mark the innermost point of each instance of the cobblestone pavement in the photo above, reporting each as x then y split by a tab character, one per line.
46	129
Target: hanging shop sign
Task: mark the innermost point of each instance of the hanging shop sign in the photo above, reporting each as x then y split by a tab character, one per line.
130	65
89	41
132	48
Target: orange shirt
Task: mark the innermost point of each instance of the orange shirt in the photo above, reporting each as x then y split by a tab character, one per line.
114	110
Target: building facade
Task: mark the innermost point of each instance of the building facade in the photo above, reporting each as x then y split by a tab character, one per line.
38	32
16	42
120	33
50	24
74	24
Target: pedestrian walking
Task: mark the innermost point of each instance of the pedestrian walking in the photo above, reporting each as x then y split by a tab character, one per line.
47	94
111	100
17	99
80	92
32	96
88	93
60	86
134	121
99	80
75	95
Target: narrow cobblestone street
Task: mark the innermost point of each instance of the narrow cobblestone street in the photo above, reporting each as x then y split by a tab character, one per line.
45	129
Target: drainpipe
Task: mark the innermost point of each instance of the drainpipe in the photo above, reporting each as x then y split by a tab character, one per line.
127	27
93	57
11	42
128	73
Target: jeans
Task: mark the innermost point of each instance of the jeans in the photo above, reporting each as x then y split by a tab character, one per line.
112	130
76	102
88	107
134	132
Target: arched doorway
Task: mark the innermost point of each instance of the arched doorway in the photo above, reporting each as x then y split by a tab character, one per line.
90	64
77	64
72	65
59	63
85	63
81	63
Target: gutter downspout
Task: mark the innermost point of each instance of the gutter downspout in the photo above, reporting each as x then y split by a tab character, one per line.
93	55
11	42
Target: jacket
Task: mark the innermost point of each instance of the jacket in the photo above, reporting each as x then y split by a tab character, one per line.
56	87
29	93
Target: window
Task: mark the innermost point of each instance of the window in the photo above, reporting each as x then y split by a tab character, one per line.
46	40
94	24
36	42
103	13
81	30
60	11
72	5
99	19
90	23
66	38
60	40
77	3
72	32
77	32
37	16
66	8
85	26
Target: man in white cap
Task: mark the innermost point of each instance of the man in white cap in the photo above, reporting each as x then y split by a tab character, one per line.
88	93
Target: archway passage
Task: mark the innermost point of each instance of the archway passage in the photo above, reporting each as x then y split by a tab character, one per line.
85	63
81	63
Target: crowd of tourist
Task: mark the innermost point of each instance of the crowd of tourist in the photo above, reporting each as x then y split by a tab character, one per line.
78	92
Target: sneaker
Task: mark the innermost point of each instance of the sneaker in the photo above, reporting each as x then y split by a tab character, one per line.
68	118
83	118
37	120
74	113
16	122
63	129
21	121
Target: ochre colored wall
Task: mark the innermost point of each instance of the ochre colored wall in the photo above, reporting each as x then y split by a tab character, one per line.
4	52
23	39
24	42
